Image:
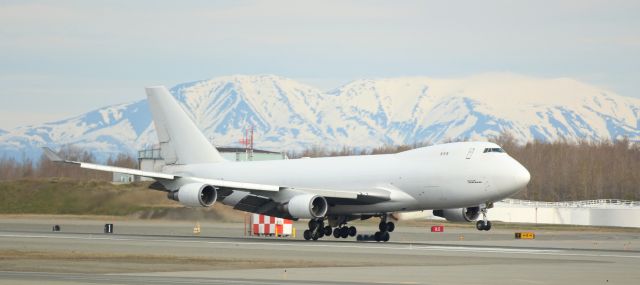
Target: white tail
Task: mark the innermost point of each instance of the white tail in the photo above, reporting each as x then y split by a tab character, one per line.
181	142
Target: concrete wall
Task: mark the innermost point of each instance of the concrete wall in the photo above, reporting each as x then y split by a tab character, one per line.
614	217
609	213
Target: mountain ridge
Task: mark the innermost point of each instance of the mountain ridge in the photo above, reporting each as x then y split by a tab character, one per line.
289	115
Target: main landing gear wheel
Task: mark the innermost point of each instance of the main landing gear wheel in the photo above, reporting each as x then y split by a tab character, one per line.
336	232
316	230
344	232
352	231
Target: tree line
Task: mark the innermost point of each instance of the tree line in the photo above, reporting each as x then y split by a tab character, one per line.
560	170
12	169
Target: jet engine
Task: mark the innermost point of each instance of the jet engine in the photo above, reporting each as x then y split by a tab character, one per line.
195	195
459	214
307	206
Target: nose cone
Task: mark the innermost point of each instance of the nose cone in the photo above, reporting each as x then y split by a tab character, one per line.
521	176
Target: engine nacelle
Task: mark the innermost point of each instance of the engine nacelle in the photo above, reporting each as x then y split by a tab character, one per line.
195	195
459	214
307	206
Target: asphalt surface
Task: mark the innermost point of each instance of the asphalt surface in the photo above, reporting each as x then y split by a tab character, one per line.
167	252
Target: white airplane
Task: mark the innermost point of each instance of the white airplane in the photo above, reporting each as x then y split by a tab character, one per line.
456	180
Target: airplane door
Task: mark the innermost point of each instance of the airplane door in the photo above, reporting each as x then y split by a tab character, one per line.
470	153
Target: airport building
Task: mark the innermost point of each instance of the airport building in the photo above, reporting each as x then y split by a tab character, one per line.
151	159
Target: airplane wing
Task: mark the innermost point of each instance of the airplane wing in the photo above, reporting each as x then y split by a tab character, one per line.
337	196
51	155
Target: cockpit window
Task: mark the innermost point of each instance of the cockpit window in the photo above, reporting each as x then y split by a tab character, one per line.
493	150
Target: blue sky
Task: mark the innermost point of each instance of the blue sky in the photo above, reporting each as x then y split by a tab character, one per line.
62	58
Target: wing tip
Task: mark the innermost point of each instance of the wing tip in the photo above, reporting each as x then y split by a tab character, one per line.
51	155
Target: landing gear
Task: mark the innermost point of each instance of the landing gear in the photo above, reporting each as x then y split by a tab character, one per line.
307	234
352	231
344	231
327	230
385	228
317	230
484	224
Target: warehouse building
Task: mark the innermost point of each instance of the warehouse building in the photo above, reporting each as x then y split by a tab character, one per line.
151	159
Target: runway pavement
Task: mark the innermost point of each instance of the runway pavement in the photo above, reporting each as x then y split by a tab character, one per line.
165	252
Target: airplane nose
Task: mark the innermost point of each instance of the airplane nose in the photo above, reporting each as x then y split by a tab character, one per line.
522	176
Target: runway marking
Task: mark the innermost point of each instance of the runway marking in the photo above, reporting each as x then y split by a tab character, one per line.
558	252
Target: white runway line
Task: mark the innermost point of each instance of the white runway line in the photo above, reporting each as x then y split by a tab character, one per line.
409	247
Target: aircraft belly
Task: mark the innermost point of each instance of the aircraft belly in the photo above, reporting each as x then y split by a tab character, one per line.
385	207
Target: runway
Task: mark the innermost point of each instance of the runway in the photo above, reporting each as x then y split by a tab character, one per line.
161	252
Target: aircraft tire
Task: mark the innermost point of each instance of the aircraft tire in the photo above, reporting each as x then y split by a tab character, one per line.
480	225
382	227
487	227
352	231
376	236
390	227
384	236
344	232
307	234
336	232
327	231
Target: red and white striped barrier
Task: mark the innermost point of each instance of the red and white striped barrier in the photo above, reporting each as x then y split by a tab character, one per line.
263	225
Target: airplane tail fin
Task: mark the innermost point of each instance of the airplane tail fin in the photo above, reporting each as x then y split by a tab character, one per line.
181	142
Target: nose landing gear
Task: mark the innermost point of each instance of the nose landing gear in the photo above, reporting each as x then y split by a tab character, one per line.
385	228
484	224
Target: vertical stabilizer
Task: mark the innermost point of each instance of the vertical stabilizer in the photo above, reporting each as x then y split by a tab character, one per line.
181	142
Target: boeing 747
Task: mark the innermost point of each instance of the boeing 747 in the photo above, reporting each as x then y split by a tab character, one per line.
458	181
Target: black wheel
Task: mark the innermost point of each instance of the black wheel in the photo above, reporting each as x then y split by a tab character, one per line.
480	225
320	233
327	231
344	232
384	236
307	234
391	226
352	231
487	226
315	237
312	224
336	232
376	236
382	227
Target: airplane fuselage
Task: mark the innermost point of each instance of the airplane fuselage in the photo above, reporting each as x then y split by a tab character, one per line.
442	176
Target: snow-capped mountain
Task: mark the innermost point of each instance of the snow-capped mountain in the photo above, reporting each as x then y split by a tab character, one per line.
288	115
